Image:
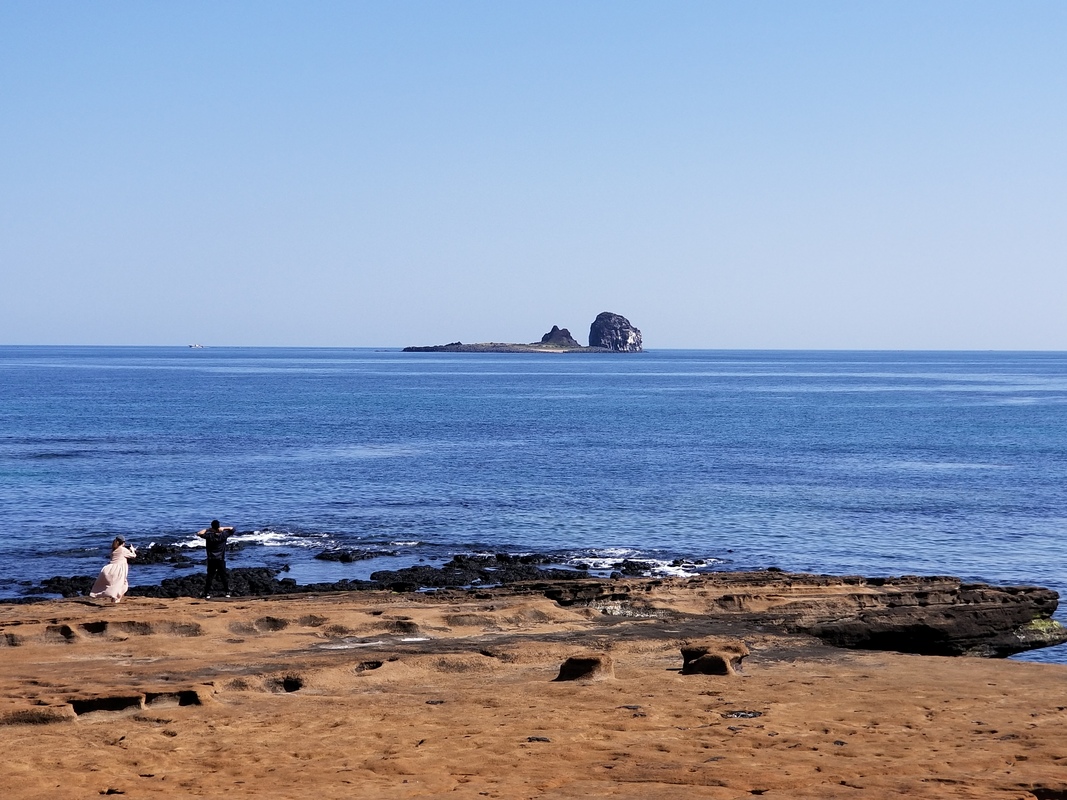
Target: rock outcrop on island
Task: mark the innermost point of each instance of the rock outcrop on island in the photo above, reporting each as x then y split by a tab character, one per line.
560	337
609	333
615	333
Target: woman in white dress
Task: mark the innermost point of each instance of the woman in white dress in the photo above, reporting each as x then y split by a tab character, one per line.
112	579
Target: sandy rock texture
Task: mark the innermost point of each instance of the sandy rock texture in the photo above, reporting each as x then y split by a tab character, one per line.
375	694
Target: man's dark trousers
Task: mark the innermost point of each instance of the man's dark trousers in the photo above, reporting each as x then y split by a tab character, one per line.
216	566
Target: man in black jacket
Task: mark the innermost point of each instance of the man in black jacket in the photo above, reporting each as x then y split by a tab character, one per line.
216	537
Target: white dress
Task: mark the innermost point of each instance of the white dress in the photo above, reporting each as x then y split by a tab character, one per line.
112	579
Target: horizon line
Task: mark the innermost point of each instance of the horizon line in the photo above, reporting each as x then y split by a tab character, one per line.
399	348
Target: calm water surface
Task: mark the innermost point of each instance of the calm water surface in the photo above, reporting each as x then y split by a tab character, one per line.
875	463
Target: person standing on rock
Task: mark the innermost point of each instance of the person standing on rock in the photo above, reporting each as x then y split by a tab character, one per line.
216	537
111	582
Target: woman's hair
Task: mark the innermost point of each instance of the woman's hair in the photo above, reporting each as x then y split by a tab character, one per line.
117	543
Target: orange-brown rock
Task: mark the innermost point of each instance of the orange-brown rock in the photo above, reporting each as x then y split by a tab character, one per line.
713	657
587	667
426	695
925	615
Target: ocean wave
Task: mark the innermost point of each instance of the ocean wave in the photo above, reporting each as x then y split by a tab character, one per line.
270	538
607	560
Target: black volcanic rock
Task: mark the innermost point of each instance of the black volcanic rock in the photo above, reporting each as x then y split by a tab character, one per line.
949	619
560	337
615	333
72	586
246	582
471	570
163	554
633	569
349	556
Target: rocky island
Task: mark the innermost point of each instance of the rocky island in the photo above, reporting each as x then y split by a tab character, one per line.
609	333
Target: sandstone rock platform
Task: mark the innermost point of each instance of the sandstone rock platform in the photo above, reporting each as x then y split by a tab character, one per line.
403	695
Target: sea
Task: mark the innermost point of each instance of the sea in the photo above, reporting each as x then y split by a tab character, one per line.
857	463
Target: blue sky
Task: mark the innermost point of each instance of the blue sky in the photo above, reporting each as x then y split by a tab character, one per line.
726	175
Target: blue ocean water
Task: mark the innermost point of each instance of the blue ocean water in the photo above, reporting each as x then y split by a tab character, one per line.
873	463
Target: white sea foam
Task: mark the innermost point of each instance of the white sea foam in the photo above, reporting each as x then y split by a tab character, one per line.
685	570
606	559
614	552
267	538
279	539
658	567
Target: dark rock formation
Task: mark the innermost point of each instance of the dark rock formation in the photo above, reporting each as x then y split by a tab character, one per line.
713	657
928	616
163	554
615	333
631	569
949	619
350	556
72	586
464	571
588	667
559	337
244	581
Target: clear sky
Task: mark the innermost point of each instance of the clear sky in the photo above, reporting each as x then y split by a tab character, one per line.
724	174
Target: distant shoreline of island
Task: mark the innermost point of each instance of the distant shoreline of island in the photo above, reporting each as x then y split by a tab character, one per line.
609	333
504	347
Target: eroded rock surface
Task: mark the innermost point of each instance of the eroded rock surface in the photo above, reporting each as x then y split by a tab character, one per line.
587	667
559	337
713	657
929	616
452	693
925	615
615	333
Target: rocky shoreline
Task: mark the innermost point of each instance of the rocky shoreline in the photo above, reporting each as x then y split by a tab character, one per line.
923	615
715	687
